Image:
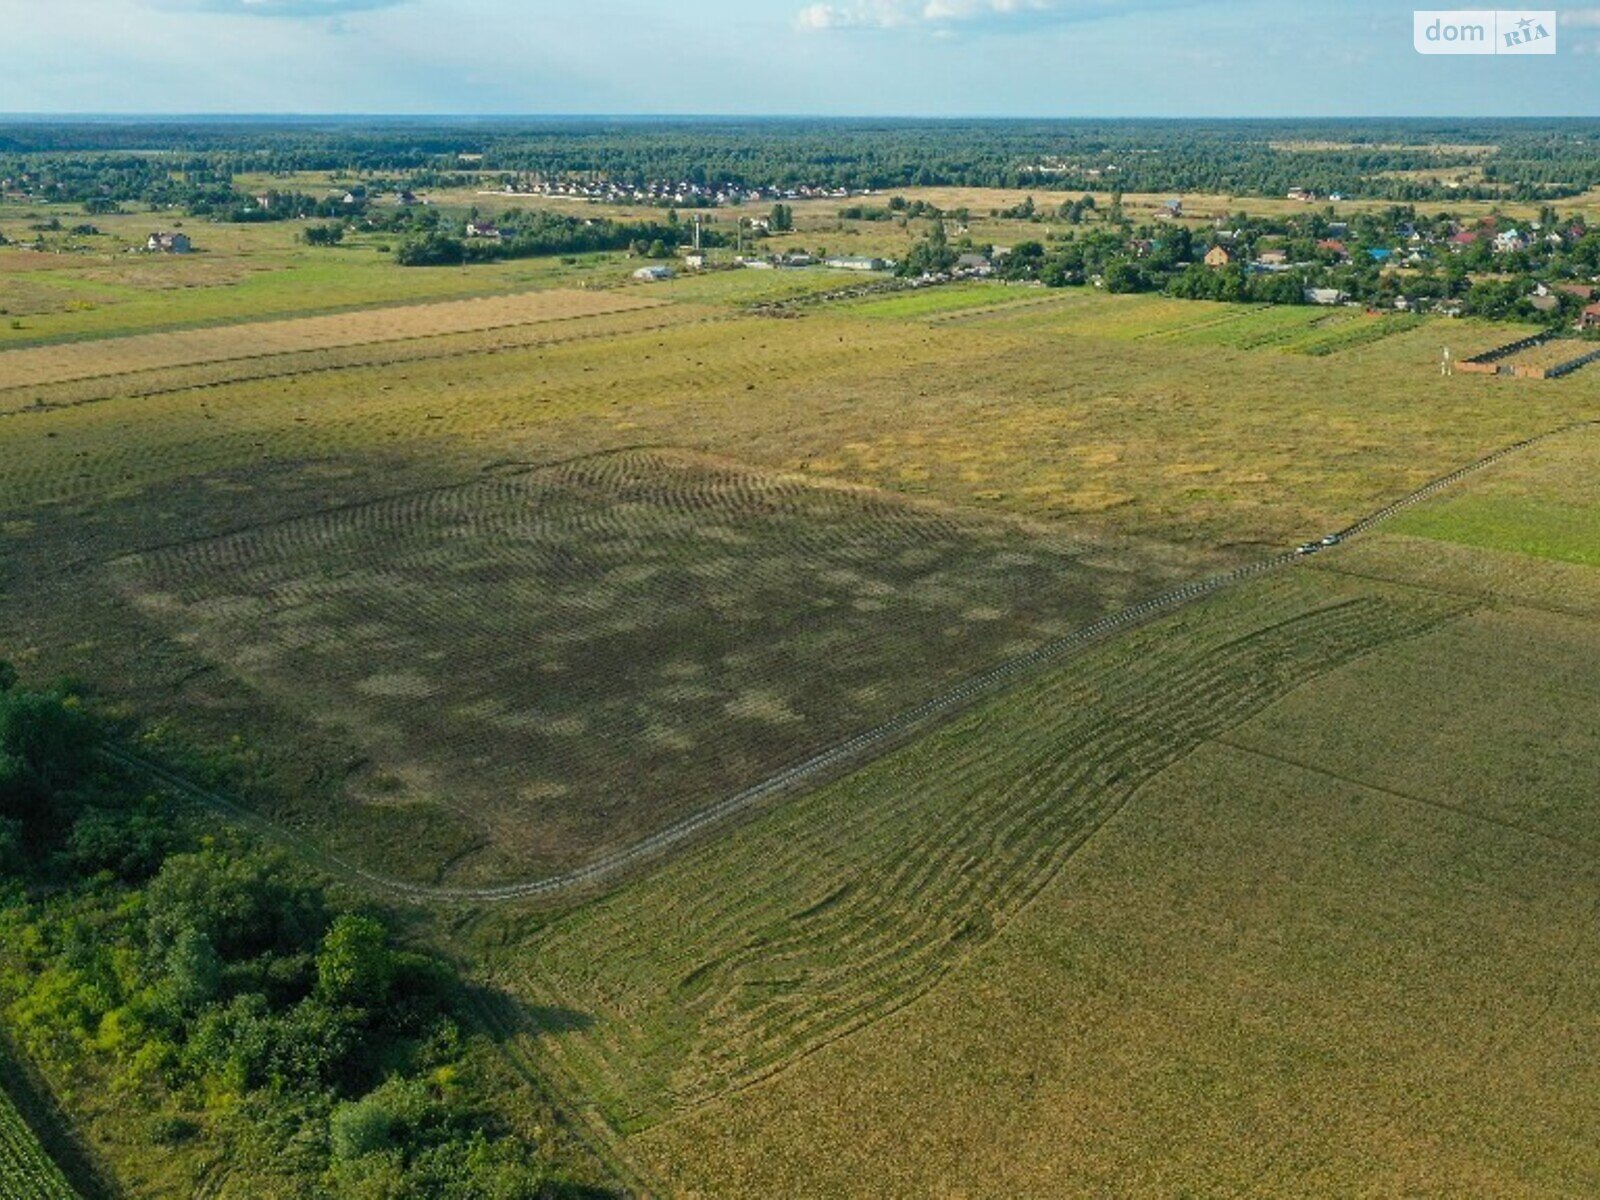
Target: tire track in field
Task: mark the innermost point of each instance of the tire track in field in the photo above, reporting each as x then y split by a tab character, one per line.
850	753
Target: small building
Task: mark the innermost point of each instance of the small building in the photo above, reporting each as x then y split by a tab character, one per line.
1590	318
1273	258
484	229
975	264
856	262
1379	255
1325	296
169	243
1334	247
696	260
1509	240
1219	256
653	274
1581	290
1170	211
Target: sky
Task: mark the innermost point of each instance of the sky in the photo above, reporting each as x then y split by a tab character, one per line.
1085	58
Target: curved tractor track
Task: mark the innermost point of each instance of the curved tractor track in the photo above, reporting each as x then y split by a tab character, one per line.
852	752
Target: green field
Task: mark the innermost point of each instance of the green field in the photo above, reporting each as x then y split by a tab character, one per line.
1288	892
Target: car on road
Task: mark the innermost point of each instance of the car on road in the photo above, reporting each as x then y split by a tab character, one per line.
1333	539
1308	548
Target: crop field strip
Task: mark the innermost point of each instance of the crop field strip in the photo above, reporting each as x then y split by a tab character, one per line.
579	554
26	1171
850	903
141	352
168	380
84	451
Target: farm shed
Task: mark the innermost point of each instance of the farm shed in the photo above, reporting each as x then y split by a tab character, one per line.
168	243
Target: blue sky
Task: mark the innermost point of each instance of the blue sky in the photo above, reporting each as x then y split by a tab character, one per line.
835	57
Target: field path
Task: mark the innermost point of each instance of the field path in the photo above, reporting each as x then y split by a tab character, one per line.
850	753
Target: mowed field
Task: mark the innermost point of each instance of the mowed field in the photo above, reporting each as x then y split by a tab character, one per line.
1291	893
155	351
578	654
476	604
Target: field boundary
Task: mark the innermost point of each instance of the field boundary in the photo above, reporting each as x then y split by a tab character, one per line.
850	753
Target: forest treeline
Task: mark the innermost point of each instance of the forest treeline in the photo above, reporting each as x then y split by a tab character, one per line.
1405	161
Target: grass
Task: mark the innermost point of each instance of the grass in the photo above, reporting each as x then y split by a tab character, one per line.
1544	507
103	289
1151	457
938	301
1290	893
1257	980
574	656
26	1170
842	907
158	351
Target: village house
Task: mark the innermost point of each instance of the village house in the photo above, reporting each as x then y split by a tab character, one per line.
696	260
484	229
1219	256
975	264
168	243
1325	296
1273	258
1590	318
1334	247
1170	211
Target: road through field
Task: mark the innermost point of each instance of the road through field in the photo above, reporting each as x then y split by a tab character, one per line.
852	752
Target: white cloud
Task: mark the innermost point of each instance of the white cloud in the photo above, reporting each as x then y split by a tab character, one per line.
1580	18
280	8
914	14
